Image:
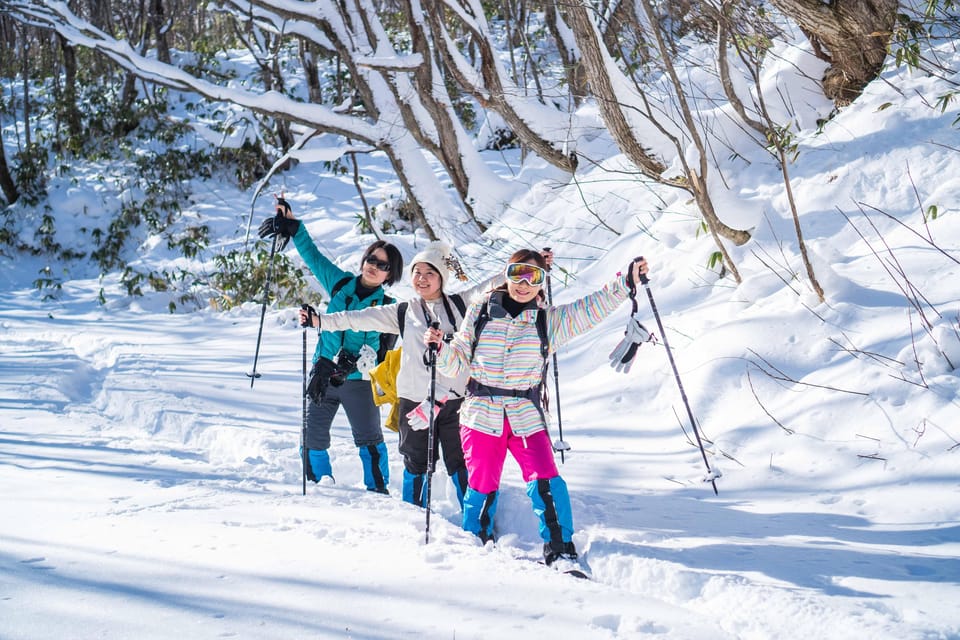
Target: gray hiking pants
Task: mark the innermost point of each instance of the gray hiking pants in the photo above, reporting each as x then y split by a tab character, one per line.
356	397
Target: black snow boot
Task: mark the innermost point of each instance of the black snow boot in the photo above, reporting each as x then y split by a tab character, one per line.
553	551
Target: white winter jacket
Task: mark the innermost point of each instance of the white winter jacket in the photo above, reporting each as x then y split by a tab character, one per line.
413	379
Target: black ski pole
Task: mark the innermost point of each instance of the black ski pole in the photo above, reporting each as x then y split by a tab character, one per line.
263	310
561	445
710	476
430	427
308	322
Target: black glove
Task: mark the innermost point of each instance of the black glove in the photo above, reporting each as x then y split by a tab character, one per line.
320	374
280	225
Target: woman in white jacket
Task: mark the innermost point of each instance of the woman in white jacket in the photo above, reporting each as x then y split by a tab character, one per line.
429	271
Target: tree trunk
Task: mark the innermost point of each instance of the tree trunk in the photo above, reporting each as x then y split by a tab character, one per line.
7	185
576	76
597	61
593	59
852	35
622	28
492	94
308	60
420	99
718	230
419	216
723	43
71	114
447	146
126	119
157	19
25	70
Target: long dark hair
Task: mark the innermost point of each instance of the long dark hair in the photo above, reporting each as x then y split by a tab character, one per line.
394	257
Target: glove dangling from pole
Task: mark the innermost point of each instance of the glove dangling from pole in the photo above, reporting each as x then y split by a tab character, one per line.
623	355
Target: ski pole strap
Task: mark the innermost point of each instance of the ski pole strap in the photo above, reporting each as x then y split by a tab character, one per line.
633	285
549	288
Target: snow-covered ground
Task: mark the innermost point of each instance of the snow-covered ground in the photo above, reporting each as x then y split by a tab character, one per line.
148	491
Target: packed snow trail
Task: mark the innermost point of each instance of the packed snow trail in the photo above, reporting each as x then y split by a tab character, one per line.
148	492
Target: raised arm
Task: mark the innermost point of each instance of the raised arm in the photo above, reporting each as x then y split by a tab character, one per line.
566	321
381	319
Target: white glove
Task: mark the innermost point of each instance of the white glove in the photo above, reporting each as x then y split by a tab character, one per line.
418	417
623	355
366	360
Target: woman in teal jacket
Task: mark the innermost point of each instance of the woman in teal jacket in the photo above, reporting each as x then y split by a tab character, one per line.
335	380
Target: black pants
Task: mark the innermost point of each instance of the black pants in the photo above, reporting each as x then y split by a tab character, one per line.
413	444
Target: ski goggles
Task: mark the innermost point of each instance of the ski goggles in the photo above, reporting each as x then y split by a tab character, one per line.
382	265
517	272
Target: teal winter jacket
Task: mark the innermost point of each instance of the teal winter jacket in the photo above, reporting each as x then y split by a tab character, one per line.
345	299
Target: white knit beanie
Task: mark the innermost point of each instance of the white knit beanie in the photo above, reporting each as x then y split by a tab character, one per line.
438	255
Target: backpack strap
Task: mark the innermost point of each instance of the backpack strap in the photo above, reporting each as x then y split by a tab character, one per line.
340	284
542	332
334	290
545	352
483	316
402	315
387	340
459	303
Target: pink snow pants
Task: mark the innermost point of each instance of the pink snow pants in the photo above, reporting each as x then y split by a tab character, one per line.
485	455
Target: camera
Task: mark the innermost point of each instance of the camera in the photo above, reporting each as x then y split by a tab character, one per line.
346	364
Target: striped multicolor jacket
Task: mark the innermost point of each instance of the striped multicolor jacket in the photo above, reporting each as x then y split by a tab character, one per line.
508	356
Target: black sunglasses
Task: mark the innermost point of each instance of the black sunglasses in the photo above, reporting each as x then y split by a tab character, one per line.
382	265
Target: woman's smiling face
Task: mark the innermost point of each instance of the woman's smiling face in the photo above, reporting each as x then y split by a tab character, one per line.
426	281
522	291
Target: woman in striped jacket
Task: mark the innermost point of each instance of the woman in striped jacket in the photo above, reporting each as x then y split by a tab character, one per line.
500	344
